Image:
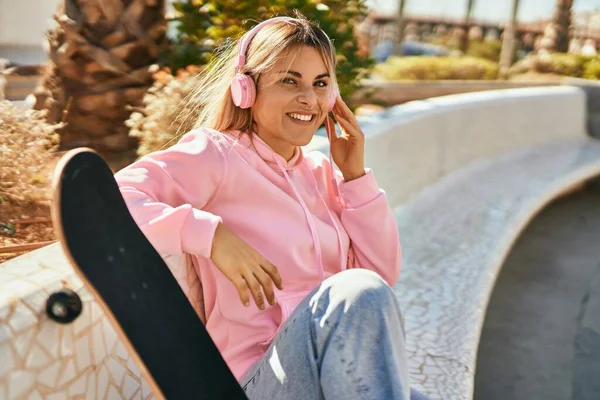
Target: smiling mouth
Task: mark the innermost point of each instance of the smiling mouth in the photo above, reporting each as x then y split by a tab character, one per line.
301	117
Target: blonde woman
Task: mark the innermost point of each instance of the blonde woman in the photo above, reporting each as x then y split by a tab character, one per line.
296	260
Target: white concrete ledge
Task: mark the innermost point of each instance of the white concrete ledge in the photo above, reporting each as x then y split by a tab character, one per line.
414	145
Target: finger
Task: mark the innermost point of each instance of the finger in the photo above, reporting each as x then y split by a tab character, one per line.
273	273
242	289
339	103
255	290
349	128
345	111
267	284
330	128
341	107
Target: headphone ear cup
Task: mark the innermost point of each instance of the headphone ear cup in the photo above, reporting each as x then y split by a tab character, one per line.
332	98
243	90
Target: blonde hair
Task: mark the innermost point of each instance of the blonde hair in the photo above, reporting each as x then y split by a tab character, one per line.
211	101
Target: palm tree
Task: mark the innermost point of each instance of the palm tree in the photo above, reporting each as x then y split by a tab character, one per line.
464	41
562	20
509	42
101	57
401	25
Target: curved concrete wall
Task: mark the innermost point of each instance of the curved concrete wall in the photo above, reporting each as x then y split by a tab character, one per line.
410	147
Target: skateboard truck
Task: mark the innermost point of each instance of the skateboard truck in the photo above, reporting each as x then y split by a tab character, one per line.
64	306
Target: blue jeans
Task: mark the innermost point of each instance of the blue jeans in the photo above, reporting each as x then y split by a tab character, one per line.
344	341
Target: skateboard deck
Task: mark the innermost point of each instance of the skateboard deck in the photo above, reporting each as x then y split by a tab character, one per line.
133	285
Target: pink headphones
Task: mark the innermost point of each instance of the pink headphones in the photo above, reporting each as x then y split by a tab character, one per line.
243	90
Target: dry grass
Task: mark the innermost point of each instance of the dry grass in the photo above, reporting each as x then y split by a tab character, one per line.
27	157
27	144
164	117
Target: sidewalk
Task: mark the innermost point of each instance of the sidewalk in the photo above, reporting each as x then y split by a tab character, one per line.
541	337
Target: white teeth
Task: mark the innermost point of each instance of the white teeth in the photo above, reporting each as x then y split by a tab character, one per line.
301	117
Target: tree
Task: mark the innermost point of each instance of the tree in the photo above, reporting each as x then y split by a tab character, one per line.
562	21
204	24
101	58
464	40
401	26
509	40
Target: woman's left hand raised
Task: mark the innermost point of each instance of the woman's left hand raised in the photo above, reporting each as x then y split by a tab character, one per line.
347	150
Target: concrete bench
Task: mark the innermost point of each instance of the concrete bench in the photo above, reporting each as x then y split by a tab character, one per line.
464	175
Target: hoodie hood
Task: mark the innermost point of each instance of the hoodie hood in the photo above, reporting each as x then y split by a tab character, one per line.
277	162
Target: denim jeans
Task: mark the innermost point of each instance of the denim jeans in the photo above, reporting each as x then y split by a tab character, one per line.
344	341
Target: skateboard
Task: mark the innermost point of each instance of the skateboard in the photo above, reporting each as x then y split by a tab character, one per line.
133	285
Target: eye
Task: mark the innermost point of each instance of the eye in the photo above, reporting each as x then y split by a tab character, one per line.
321	83
288	81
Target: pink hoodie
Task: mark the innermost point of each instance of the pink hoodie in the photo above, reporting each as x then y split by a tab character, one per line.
290	212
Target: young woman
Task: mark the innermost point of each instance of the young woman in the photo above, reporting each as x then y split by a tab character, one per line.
315	249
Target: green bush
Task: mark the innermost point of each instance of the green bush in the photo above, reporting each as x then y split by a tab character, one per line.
204	24
436	68
561	64
592	69
489	50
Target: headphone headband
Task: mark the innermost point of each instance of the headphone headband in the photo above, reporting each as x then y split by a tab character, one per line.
241	58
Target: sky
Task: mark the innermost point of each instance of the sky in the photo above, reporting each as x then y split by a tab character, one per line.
489	10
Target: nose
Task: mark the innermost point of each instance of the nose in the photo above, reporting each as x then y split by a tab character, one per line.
309	98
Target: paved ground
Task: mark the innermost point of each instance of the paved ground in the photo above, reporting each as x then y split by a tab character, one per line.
541	338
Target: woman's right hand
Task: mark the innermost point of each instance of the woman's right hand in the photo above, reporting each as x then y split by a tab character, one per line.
245	267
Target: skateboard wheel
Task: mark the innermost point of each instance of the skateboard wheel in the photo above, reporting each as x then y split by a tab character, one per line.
64	306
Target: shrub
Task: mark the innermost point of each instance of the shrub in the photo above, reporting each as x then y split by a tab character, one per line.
204	24
436	68
26	144
592	69
561	64
489	50
160	120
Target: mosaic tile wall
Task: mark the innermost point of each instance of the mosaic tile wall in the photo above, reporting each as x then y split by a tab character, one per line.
42	359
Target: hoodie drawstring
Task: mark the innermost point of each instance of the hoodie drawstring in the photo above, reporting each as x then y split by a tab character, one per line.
331	218
311	222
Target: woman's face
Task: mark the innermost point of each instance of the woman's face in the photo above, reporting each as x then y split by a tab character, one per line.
292	100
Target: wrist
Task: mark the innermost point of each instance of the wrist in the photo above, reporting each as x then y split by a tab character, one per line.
216	238
350	176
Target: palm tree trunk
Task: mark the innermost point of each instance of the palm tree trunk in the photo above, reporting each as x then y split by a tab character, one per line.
464	41
562	19
401	25
101	61
509	42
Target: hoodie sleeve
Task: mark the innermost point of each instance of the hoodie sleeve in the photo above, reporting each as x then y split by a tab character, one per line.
369	221
166	193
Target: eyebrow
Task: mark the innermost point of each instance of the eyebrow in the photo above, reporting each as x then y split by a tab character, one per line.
299	75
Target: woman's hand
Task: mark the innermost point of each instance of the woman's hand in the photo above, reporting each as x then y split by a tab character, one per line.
244	267
347	150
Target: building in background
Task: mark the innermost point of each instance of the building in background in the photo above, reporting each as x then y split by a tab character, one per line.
23	25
